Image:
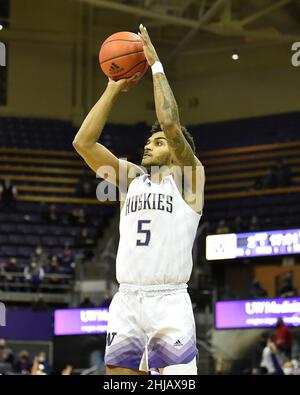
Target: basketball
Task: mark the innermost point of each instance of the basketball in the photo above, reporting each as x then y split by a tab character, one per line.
121	56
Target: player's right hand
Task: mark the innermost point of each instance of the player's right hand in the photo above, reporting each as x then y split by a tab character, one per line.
125	84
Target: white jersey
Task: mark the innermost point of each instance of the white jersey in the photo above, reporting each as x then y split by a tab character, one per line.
157	232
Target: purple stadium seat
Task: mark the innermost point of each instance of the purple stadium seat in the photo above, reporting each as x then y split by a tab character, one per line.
8	251
66	240
16	239
3	239
7	228
49	241
24	251
32	240
23	228
40	229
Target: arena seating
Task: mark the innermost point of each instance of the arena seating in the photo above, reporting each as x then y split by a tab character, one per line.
38	157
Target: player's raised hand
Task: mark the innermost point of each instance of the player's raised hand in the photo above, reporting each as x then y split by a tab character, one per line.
148	47
124	84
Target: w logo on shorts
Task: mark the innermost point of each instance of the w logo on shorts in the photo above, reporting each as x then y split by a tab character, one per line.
110	338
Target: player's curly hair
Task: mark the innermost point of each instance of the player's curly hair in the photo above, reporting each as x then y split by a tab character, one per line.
157	128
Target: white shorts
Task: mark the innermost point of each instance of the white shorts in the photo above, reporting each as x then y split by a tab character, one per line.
150	328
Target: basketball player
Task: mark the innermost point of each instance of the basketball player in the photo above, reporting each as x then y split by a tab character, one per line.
151	323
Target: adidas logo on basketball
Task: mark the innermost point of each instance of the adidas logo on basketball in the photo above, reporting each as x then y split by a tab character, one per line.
178	343
114	68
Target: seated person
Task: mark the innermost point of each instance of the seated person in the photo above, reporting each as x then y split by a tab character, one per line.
8	194
51	215
283	174
288	290
257	291
67	261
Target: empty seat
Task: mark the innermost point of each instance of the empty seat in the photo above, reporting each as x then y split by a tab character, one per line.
49	241
3	239
32	240
16	239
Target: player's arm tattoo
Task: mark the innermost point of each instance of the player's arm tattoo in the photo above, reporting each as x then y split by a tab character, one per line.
168	117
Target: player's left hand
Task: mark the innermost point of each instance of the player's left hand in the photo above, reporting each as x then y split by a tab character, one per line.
125	84
149	50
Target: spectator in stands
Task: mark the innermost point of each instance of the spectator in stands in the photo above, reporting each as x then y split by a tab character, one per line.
288	290
283	174
39	256
41	365
86	189
2	271
34	275
81	217
67	371
288	368
6	354
283	338
8	194
277	176
40	304
270	179
296	365
254	224
257	291
238	224
270	359
51	215
107	298
67	260
219	363
86	241
87	302
54	271
11	274
226	293
78	216
222	227
23	364
267	181
267	223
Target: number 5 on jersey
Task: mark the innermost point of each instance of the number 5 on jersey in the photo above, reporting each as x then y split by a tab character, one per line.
141	229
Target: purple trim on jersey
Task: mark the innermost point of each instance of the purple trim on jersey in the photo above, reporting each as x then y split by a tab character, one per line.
162	354
125	354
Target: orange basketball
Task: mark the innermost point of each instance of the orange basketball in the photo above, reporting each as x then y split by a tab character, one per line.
121	56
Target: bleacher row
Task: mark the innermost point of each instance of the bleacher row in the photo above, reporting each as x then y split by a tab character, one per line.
23	229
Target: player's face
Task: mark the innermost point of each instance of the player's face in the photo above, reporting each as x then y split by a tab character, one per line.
156	151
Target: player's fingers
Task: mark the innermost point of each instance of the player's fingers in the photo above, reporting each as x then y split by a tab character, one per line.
142	38
134	77
144	32
141	29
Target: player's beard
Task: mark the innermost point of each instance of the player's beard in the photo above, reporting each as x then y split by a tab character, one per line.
149	161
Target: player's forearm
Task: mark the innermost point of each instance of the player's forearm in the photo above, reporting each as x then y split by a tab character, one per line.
168	117
165	103
94	122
